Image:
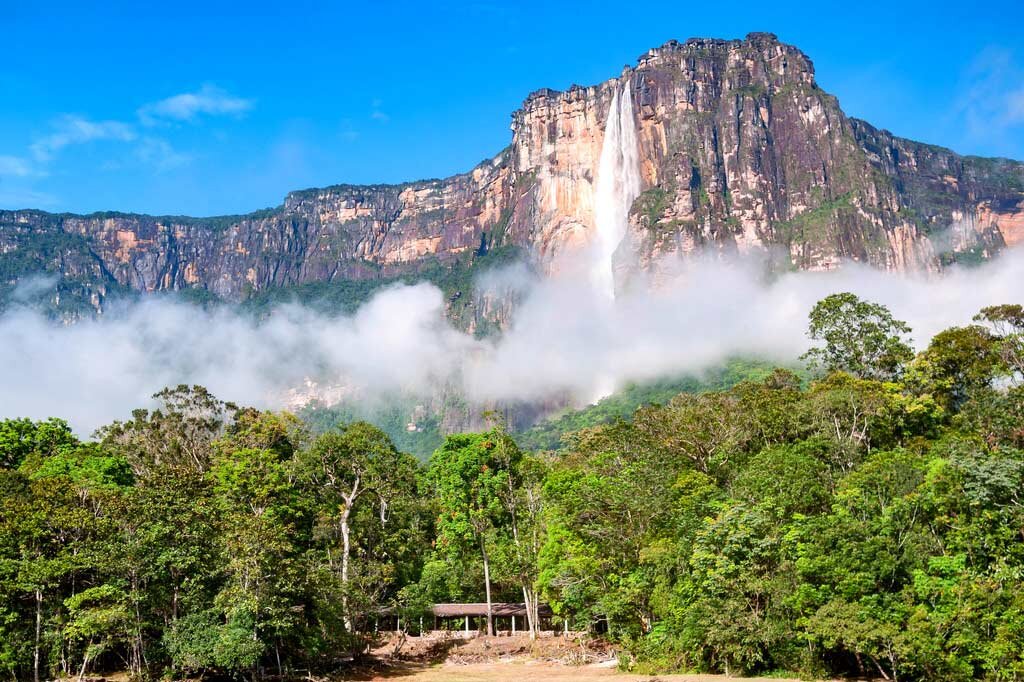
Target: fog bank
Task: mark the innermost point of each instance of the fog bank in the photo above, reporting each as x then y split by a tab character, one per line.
564	338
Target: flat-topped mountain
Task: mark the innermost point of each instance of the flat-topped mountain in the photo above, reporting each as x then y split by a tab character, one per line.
731	146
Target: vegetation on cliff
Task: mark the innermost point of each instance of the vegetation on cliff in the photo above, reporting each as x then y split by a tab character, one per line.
864	522
741	151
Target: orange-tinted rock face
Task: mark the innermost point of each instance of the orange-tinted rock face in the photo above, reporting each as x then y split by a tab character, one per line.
1008	220
739	151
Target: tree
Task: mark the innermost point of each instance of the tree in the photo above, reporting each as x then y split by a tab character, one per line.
262	523
349	469
22	438
1007	322
612	504
709	429
470	473
960	361
859	337
178	436
523	502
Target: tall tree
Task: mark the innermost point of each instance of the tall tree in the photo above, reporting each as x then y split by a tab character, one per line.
859	337
524	506
349	468
178	435
1007	322
470	473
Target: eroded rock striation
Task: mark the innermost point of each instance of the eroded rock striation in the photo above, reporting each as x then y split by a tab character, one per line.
739	151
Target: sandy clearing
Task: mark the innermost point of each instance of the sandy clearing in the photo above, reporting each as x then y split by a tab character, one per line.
527	671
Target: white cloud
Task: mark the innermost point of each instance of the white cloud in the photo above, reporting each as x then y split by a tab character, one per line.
160	154
208	100
377	114
1015	110
991	104
563	340
25	197
14	166
72	130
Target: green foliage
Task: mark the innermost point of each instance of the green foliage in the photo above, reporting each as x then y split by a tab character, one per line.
813	226
200	642
865	524
22	439
87	466
547	434
652	204
959	362
851	527
859	337
392	417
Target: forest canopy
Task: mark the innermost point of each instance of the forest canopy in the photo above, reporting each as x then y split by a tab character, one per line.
866	519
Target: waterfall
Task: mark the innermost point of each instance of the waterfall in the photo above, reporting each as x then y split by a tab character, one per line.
618	185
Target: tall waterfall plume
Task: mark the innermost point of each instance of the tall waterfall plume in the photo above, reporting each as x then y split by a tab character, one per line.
618	185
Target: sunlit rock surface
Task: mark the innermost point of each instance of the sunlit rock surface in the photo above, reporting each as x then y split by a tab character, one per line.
739	151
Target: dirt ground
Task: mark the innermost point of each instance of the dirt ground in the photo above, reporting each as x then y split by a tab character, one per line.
526	671
487	659
501	659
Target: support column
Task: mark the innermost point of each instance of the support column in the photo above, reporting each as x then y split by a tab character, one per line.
467	625
513	624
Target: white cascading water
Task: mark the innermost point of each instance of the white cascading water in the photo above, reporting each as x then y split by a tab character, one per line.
618	185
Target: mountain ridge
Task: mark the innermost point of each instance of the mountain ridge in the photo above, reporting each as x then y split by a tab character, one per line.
740	152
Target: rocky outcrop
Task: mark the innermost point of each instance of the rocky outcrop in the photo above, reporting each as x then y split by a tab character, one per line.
740	152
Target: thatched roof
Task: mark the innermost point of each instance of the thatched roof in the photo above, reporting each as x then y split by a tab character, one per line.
480	609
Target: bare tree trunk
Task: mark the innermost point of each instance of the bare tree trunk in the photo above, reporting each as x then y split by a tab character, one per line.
39	630
535	610
487	587
85	662
530	602
346	548
346	541
139	644
529	613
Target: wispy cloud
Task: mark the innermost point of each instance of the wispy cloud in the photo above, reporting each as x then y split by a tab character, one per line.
16	166
139	148
209	100
378	114
72	130
1015	110
160	154
991	105
25	197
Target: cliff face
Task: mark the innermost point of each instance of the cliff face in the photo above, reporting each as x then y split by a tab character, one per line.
739	152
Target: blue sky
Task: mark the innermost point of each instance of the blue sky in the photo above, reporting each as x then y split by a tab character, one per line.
207	108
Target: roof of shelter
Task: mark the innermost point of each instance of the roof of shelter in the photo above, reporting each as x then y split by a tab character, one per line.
480	609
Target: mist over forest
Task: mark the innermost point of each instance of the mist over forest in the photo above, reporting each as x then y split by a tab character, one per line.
564	338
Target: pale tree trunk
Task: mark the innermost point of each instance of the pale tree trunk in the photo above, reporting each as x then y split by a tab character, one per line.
529	614
39	629
138	643
535	610
530	597
530	602
346	543
346	548
85	662
487	587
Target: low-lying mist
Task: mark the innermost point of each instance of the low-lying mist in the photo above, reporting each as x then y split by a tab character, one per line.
564	338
